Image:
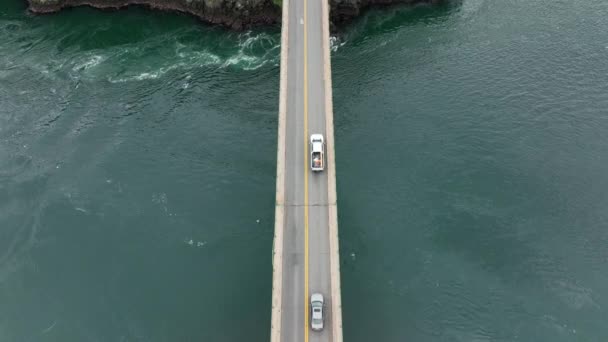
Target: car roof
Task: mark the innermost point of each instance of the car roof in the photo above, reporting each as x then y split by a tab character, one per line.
317	314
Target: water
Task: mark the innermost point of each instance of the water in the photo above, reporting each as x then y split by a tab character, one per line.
479	212
137	161
136	177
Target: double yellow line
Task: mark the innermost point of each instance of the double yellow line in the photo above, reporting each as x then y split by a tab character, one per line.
306	328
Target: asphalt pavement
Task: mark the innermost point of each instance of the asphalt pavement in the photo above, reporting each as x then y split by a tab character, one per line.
306	255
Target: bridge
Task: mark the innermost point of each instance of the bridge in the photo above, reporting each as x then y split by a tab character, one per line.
305	249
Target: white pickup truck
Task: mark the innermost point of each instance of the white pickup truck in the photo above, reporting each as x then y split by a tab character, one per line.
317	152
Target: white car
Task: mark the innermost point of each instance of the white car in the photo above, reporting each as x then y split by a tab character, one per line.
316	311
317	152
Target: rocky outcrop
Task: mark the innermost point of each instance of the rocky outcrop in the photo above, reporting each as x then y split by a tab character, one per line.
344	10
236	14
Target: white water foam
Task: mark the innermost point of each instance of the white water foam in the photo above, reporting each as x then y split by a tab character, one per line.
89	62
247	51
193	243
335	43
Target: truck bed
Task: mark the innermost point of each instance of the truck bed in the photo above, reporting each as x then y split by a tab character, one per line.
313	164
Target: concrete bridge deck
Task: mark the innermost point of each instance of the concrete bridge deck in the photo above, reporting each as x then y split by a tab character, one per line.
305	250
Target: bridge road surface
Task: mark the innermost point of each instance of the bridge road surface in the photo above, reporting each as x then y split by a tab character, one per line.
306	193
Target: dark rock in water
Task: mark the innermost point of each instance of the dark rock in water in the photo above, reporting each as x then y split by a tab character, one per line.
344	10
236	14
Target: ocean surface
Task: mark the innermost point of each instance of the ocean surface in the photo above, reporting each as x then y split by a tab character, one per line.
137	174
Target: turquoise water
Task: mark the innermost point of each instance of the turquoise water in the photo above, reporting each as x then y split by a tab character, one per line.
479	213
136	177
137	165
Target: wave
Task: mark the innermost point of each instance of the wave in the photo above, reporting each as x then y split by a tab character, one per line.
335	43
250	52
151	58
89	62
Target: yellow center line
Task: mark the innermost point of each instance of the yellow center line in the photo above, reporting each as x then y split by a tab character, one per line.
305	176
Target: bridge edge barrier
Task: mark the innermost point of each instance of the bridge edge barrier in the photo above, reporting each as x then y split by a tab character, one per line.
334	245
279	213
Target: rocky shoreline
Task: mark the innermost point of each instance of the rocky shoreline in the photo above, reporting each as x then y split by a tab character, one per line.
234	14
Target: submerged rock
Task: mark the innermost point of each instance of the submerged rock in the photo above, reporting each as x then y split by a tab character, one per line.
236	14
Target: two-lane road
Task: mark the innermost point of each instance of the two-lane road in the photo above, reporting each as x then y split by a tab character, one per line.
306	253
